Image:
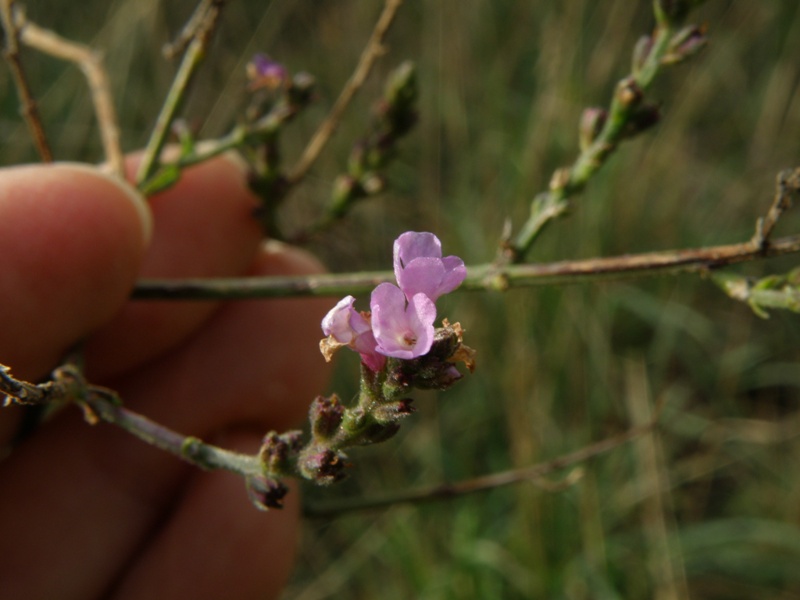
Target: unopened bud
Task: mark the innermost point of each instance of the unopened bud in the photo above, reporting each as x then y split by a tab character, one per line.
265	492
592	121
641	51
642	118
391	412
325	416
436	369
265	73
322	465
377	433
300	91
686	43
628	93
278	451
396	109
357	160
372	183
346	189
560	179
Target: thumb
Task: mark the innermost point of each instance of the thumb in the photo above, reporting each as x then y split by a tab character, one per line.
71	241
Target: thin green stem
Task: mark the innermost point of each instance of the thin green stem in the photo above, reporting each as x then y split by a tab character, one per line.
372	51
625	108
195	53
483	483
107	408
480	277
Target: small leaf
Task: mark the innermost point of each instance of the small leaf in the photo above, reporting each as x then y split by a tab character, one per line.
165	177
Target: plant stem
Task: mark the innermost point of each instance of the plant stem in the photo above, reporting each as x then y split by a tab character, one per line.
483	483
90	63
195	53
372	51
28	106
569	181
488	276
191	449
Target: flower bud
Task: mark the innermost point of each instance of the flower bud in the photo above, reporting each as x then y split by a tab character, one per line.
641	51
346	189
400	95
642	118
391	412
357	161
628	93
372	183
377	433
322	465
686	43
300	91
278	451
560	179
592	121
265	492
325	416
265	73
435	369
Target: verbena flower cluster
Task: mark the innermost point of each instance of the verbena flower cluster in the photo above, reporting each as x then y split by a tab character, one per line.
400	324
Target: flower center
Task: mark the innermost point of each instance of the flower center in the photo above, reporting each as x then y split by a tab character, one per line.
409	339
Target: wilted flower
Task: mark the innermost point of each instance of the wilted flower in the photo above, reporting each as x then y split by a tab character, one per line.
345	326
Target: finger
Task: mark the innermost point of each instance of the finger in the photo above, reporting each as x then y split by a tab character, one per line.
216	542
253	361
203	227
72	240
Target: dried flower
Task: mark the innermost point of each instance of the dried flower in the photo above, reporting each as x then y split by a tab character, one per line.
345	326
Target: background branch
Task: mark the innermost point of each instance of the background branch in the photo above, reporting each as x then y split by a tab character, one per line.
372	51
601	131
28	106
486	482
480	277
195	53
91	64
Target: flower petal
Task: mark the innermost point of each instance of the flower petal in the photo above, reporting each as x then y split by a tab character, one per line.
413	244
402	329
345	326
422	275
337	321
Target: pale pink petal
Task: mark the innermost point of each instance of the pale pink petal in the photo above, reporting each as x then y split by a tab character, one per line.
402	329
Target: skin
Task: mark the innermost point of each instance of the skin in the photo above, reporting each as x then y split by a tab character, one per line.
89	511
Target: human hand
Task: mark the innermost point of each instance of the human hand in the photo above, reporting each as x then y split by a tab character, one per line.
90	512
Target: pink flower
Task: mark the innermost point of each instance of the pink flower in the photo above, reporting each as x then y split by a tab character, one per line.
420	268
345	326
401	322
263	72
402	329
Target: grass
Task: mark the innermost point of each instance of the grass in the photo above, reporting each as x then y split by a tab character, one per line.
706	506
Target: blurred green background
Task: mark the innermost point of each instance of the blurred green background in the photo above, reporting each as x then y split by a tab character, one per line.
708	506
